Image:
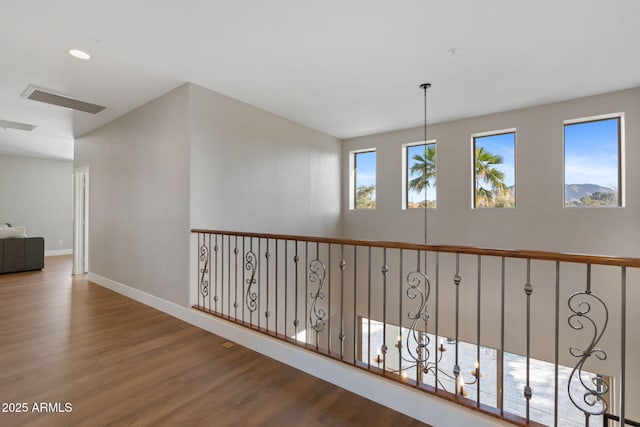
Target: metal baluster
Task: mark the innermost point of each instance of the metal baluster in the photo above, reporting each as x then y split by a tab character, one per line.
198	271
623	342
215	253
329	303
209	272
557	346
276	281
500	379
437	261
357	337
343	265
584	307
399	344
478	370
243	276
221	274
317	316
296	259
456	280
369	311
306	291
385	270
528	290
267	255
229	275
286	286
259	276
235	276
419	348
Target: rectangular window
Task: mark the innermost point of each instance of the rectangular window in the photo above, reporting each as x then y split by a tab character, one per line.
419	175
494	179
363	179
592	166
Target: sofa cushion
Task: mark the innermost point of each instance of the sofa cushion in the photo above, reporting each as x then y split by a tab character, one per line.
12	232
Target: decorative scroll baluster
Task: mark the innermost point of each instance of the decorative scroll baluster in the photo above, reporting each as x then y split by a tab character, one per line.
251	297
581	304
317	272
203	269
417	341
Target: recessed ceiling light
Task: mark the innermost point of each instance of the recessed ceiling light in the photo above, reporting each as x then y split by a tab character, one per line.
80	54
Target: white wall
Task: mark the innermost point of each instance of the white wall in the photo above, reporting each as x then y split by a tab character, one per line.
37	193
139	197
539	221
254	171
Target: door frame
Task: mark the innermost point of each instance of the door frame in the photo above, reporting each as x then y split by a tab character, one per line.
81	220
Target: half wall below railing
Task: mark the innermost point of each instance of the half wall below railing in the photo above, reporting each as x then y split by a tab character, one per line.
527	336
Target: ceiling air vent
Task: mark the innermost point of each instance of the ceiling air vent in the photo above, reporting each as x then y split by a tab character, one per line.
8	124
47	97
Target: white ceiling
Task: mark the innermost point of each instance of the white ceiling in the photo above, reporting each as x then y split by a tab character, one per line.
344	67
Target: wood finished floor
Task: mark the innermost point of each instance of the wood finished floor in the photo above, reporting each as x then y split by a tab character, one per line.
121	363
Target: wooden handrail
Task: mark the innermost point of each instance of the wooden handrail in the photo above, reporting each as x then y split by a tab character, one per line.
468	250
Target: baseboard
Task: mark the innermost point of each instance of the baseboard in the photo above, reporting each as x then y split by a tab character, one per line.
416	404
58	252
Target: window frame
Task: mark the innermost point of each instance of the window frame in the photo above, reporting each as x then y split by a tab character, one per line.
353	174
405	171
477	135
621	157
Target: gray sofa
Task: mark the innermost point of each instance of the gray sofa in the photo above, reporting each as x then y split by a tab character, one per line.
21	254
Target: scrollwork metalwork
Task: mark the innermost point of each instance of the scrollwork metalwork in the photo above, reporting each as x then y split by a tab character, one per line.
317	272
417	342
592	401
251	297
204	283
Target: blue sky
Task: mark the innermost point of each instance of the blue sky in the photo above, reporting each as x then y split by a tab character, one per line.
504	146
591	153
366	168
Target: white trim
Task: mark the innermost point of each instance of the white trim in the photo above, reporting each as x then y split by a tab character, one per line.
621	158
593	118
58	252
352	176
416	404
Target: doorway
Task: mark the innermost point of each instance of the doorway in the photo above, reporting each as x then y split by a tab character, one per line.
81	220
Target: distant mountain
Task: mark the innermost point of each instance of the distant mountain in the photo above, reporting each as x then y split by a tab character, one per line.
574	192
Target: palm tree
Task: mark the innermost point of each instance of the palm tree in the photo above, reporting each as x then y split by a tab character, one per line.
425	170
487	174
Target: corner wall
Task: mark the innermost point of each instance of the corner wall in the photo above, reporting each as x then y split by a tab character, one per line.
254	171
37	193
139	197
